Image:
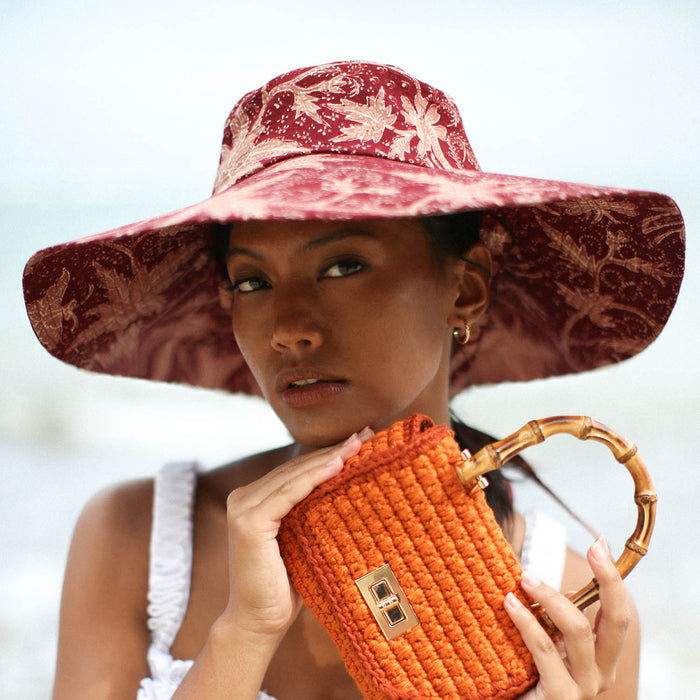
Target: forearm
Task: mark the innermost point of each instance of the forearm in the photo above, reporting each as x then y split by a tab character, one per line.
262	604
231	665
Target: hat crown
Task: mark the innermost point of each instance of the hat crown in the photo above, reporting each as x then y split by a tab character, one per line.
354	108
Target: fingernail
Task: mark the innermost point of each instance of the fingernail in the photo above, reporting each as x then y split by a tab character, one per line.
352	438
530	580
334	463
513	601
601	551
366	433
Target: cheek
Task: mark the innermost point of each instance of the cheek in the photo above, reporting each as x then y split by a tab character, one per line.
248	334
404	335
415	314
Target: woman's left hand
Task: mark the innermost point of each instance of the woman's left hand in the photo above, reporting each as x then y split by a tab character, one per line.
583	663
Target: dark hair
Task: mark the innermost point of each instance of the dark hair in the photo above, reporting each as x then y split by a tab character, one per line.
219	234
452	235
498	493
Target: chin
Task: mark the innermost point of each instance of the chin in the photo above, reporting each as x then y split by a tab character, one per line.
318	435
327	430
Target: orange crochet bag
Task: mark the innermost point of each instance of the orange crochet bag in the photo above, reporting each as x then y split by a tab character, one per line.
408	570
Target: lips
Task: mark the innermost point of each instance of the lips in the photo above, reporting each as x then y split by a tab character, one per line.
307	382
300	377
300	388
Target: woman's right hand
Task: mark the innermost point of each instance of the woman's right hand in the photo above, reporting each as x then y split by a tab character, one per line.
261	598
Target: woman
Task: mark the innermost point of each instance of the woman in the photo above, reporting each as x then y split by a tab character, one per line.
345	303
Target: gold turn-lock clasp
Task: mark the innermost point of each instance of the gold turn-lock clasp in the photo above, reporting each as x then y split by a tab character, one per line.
387	602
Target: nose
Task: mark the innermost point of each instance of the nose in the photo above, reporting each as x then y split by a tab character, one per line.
296	324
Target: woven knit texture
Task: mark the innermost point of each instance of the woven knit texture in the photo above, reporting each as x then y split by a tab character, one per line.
400	502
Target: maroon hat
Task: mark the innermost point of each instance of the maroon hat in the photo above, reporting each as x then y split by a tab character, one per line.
585	275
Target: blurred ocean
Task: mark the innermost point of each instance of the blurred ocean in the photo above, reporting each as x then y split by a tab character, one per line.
112	112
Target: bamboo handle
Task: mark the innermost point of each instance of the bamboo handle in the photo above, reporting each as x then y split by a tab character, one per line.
496	454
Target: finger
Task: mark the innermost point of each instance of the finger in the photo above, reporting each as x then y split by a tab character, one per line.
577	637
344	450
301	484
614	615
295	489
555	680
270	498
255	493
254	516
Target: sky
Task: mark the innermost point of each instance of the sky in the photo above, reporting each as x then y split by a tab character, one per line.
113	111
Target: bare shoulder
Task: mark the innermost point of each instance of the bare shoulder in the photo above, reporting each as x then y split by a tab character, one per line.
113	530
127	503
103	635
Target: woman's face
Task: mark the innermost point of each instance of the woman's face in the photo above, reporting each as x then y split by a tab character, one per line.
343	324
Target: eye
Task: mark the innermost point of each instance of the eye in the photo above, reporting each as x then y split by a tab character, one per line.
249	284
344	268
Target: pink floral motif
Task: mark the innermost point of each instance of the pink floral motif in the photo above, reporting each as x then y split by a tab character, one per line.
49	311
369	120
246	153
424	118
338	109
596	213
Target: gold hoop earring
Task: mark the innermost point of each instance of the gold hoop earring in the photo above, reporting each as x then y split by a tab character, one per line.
462	339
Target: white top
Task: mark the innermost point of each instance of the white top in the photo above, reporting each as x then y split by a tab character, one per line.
543	554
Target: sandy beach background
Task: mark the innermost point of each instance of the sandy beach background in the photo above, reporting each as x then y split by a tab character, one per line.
112	112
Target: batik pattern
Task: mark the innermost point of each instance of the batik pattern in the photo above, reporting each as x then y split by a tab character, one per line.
585	275
352	108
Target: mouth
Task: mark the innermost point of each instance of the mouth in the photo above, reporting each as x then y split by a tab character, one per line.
308	388
309	382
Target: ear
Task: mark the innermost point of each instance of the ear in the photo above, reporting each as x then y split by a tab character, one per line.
475	286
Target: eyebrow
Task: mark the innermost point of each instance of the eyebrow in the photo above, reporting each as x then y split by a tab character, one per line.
238	250
336	236
309	245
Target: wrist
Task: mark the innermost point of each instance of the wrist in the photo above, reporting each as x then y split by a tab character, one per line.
227	633
232	664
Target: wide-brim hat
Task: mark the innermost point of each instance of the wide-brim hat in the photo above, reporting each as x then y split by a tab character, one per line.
584	275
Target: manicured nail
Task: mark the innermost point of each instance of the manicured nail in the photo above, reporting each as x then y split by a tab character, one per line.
335	463
601	551
366	433
513	602
352	438
529	580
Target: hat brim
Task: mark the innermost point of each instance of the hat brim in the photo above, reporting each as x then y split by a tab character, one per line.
585	275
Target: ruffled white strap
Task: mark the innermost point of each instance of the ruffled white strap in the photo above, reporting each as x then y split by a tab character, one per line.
166	675
544	548
171	552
